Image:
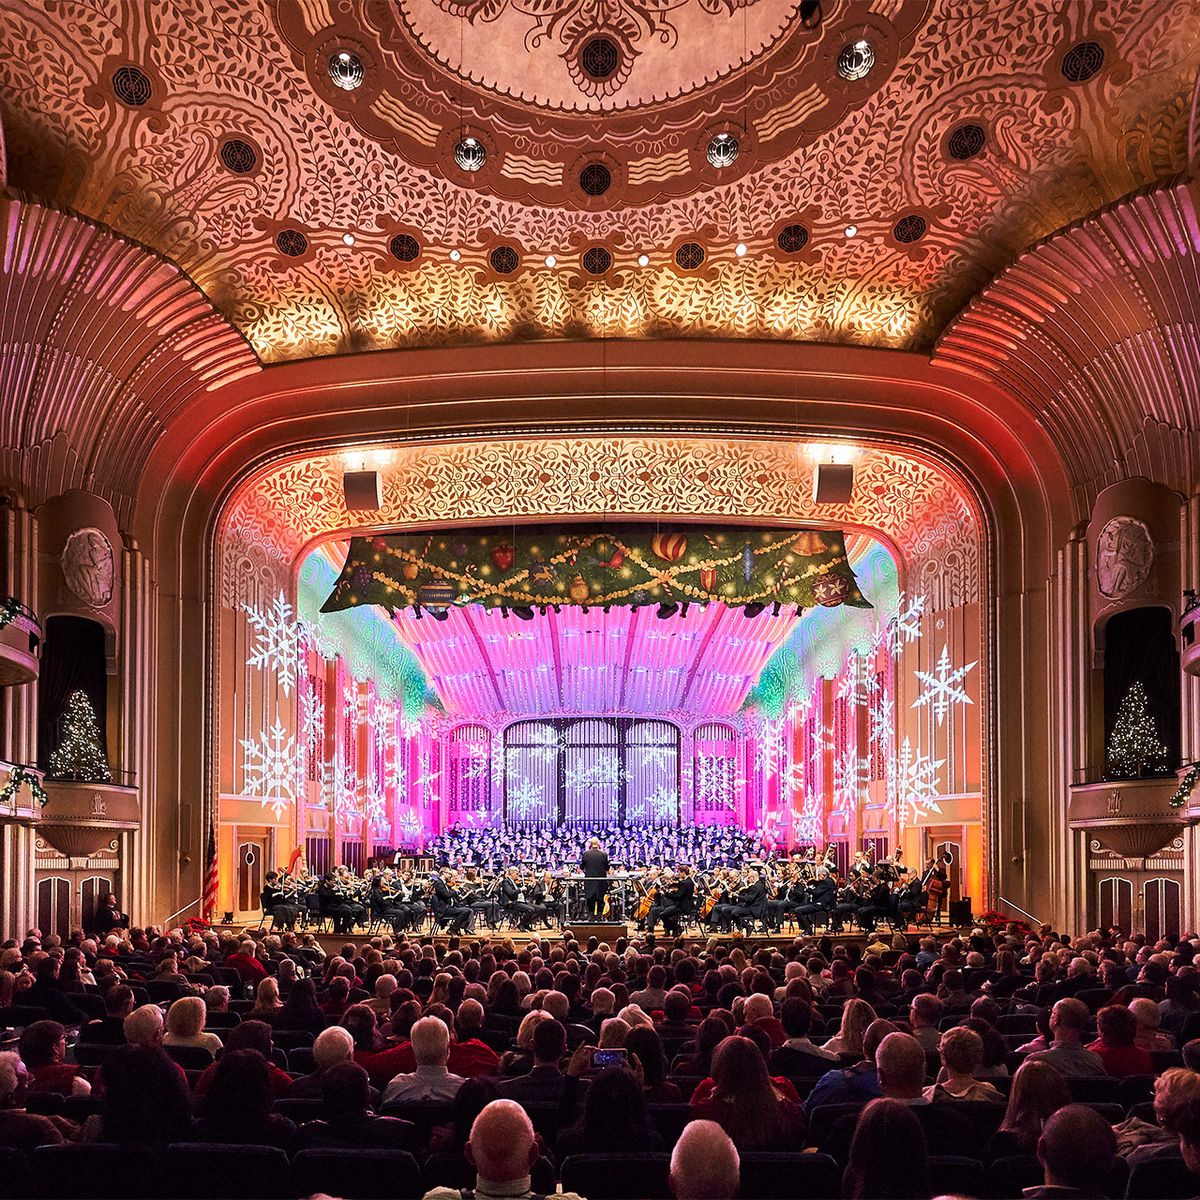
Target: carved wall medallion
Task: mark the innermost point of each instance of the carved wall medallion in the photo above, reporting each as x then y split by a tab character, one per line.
1124	556
87	567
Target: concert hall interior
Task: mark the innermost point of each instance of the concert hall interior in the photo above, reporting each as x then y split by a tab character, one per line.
429	426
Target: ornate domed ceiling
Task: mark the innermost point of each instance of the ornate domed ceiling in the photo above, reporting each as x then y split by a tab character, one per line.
358	174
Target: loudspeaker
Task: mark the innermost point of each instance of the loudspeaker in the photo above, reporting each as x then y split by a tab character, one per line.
605	931
833	483
363	491
959	911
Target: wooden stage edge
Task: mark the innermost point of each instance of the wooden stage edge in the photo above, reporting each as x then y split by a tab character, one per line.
332	943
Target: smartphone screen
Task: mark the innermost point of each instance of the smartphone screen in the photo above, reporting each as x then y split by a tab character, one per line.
610	1058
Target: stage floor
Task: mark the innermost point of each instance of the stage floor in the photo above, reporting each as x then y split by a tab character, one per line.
332	943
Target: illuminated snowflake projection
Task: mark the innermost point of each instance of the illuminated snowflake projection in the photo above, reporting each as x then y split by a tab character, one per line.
476	765
314	638
395	773
716	781
859	684
850	776
272	768
601	772
913	783
375	809
905	624
427	777
942	687
524	801
409	828
354	703
279	641
658	808
770	749
882	719
656	758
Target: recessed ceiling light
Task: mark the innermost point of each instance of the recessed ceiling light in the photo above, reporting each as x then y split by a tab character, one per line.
740	249
723	150
851	230
470	154
551	261
643	260
348	238
455	255
346	71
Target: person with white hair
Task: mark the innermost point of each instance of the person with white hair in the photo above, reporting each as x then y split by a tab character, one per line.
185	1026
704	1164
333	1046
502	1148
1149	1017
21	1130
381	1003
432	1080
557	1004
144	1026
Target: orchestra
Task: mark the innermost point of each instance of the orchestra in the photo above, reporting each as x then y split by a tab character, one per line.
803	890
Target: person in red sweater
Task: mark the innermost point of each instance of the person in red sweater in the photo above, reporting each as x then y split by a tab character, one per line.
469	1054
250	1035
246	964
43	1048
1117	1043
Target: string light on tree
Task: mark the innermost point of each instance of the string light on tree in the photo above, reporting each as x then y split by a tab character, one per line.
1134	746
80	755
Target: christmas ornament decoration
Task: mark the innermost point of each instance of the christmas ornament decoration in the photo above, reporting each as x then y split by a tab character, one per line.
80	755
630	564
1134	746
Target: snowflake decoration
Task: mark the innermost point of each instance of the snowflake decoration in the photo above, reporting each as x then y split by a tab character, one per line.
408	825
524	800
353	706
659	807
770	749
603	772
475	765
882	717
715	781
658	758
375	810
272	768
850	776
278	641
394	773
859	684
314	637
905	625
913	783
943	686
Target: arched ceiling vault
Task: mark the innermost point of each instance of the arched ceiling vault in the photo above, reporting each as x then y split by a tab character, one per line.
211	131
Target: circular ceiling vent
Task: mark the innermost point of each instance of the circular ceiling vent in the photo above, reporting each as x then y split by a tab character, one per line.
909	229
405	247
470	154
291	242
856	60
597	260
595	179
689	256
346	70
238	156
791	239
131	85
723	150
1082	61
966	141
504	259
600	57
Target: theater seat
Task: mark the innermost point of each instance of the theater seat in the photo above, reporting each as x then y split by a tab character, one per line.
357	1174
618	1176
190	1058
199	1171
96	1171
1008	1177
786	1176
1164	1178
669	1120
953	1175
16	1174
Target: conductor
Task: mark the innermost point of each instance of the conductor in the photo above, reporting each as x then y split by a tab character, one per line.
594	865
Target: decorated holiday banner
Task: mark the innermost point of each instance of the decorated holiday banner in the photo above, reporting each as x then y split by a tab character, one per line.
625	564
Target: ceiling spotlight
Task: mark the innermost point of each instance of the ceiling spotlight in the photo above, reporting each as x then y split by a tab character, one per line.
455	255
667	608
723	150
775	609
348	238
683	612
551	261
504	611
740	249
346	70
643	260
851	230
856	60
470	154
440	614
417	610
524	611
752	610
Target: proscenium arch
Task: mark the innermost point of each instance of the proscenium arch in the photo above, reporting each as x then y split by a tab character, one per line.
795	392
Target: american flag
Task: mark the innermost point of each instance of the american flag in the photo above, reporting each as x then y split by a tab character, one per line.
209	904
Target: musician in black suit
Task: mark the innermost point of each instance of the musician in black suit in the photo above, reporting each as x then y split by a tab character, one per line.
878	906
515	902
751	904
676	903
275	904
820	904
846	908
449	908
337	905
594	865
912	899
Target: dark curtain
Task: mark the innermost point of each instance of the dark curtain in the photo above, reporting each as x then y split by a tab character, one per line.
1140	645
72	658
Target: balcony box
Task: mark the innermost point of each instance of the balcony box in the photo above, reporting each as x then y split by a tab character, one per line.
21	807
81	818
1131	817
20	643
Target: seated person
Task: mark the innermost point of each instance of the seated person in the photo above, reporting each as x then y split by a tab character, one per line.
799	1055
43	1048
704	1163
109	1030
1076	1150
432	1080
348	1120
21	1130
962	1056
185	1026
1117	1044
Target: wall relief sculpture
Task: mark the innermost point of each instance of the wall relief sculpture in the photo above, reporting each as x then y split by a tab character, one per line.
87	567
1124	556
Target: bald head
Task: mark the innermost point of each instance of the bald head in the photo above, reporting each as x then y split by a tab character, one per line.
704	1163
900	1060
502	1146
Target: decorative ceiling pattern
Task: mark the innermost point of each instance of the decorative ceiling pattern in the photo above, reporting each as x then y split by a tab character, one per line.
202	128
916	505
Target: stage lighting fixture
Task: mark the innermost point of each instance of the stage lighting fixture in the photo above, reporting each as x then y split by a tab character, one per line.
667	608
440	614
524	611
752	610
684	610
417	610
363	491
833	483
504	611
775	609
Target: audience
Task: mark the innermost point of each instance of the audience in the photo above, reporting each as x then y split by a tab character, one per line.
1038	1091
1076	1150
185	1026
962	1056
747	1103
1069	1021
888	1159
431	1080
704	1163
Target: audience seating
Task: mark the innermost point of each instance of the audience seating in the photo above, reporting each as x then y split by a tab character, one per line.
191	1058
96	1171
951	1174
1008	1177
773	1176
199	1171
423	1116
16	1174
357	1174
1164	1178
617	1176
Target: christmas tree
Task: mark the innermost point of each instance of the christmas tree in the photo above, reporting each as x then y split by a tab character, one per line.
1134	747
80	754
